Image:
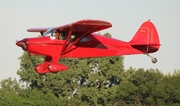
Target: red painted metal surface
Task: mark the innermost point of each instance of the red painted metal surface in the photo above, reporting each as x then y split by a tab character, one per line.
86	44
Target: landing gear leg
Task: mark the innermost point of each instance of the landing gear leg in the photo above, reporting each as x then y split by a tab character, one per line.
153	59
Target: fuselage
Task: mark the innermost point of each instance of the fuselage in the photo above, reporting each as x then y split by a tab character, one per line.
92	45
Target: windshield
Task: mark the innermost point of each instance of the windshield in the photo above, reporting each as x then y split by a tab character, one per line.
49	31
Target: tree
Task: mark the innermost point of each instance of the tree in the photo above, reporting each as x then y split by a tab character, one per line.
14	94
26	71
105	76
9	85
170	93
9	92
140	87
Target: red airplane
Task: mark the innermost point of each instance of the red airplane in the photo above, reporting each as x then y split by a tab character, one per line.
78	40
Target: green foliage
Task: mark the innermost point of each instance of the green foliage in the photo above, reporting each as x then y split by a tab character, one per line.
14	94
108	35
148	87
26	71
94	82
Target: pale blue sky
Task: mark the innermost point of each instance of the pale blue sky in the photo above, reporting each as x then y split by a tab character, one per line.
126	16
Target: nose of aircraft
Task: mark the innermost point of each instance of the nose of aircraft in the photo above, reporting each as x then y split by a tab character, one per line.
22	44
18	43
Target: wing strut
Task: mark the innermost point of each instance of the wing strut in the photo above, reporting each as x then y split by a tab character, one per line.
65	49
66	42
76	41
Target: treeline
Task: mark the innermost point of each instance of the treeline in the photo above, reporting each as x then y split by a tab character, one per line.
90	82
93	82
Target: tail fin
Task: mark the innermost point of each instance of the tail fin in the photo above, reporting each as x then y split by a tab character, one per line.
146	38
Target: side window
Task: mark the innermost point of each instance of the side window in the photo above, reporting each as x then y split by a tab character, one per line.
85	39
72	37
62	36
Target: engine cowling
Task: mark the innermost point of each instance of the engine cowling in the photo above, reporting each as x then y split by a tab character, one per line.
55	67
41	69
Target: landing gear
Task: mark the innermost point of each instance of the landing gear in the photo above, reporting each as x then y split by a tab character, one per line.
153	59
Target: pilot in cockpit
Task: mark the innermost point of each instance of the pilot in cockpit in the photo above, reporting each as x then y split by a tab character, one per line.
63	36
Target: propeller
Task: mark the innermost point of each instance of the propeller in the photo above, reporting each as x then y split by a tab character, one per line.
21	44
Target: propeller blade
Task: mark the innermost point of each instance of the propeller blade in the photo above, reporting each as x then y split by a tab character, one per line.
23	45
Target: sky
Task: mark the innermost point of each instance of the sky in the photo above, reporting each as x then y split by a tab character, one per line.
126	16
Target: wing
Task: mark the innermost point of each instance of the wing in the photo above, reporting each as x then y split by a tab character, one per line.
37	29
81	26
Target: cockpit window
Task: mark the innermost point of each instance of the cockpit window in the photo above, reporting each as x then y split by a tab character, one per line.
49	31
85	39
72	37
63	36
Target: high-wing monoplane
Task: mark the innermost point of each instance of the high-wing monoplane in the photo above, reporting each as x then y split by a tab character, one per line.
79	40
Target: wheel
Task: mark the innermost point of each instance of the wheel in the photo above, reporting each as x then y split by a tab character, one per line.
154	60
39	69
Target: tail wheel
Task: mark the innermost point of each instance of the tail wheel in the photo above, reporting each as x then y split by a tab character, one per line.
154	60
